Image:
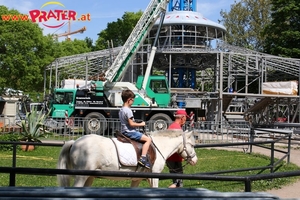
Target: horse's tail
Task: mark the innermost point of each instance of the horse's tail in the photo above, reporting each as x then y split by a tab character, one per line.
64	163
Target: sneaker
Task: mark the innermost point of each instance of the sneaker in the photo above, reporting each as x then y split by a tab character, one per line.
144	162
173	185
179	184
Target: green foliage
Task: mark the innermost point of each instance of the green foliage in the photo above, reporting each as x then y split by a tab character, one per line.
89	43
118	32
33	126
8	137
245	23
25	51
22	53
283	33
67	48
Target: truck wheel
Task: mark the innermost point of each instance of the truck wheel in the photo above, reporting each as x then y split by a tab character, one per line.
95	123
159	122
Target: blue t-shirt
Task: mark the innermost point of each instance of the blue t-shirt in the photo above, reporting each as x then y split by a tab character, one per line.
124	114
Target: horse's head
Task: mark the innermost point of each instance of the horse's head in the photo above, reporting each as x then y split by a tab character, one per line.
187	143
187	150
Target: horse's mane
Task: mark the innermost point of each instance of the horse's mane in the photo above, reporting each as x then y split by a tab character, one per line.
167	133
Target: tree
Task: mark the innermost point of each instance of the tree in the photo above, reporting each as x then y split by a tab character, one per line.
68	48
25	51
245	23
89	42
22	53
117	32
283	33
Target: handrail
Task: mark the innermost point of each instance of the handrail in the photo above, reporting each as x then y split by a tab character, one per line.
200	176
246	179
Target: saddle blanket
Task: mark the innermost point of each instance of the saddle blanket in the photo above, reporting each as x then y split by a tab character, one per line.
126	153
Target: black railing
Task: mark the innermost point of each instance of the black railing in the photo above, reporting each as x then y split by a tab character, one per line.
199	176
90	193
247	180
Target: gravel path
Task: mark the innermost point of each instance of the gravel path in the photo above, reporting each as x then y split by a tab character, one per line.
289	191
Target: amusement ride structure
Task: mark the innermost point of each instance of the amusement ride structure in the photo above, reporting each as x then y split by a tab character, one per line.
205	74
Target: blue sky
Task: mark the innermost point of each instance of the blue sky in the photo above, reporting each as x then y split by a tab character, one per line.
104	11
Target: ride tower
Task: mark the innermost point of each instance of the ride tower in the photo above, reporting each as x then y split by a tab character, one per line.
183	35
184	77
184	5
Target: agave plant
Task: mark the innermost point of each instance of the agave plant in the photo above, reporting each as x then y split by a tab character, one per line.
33	126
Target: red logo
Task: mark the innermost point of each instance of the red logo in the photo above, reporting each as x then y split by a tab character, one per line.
59	15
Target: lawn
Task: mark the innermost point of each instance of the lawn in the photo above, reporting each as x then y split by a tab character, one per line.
208	160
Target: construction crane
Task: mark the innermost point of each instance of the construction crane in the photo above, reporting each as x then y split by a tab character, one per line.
67	34
94	99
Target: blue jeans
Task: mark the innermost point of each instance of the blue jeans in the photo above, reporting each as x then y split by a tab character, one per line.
133	135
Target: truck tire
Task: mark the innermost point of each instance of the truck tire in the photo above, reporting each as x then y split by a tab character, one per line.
95	123
159	122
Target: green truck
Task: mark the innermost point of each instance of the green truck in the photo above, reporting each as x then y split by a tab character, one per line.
97	101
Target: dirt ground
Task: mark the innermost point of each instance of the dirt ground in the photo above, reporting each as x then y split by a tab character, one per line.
293	190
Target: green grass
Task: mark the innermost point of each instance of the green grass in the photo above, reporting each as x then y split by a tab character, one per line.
208	161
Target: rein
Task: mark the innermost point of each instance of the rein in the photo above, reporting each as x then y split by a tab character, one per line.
189	157
153	143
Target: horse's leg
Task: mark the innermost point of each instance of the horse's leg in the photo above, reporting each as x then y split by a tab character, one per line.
135	183
153	182
80	181
89	181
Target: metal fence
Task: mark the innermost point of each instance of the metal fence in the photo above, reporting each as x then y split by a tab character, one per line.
247	180
204	131
208	132
9	124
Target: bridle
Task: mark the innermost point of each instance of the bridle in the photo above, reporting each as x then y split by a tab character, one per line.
187	159
189	156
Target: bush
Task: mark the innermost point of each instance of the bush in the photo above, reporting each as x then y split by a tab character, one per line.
33	126
8	137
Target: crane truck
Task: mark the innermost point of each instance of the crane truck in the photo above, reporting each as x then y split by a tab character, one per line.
102	99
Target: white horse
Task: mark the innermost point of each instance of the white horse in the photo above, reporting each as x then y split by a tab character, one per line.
94	152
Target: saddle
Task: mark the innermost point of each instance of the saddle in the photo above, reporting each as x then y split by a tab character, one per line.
151	154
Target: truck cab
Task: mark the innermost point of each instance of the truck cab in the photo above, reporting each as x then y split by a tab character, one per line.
156	89
63	100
